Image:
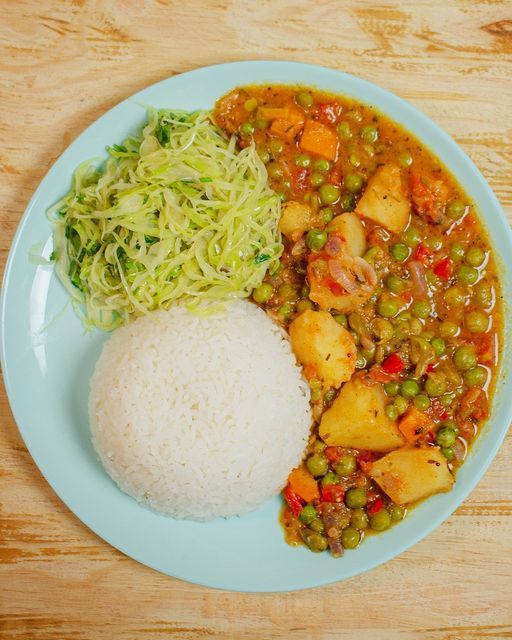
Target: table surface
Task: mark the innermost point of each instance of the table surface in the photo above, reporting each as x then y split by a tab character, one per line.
62	64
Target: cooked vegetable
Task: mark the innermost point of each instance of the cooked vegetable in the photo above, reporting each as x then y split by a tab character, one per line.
296	219
177	213
415	425
303	484
357	419
384	199
410	474
349	229
323	347
319	139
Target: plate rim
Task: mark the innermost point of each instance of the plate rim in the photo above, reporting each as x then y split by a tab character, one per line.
499	432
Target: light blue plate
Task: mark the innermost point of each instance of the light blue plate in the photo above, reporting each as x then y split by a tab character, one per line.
47	361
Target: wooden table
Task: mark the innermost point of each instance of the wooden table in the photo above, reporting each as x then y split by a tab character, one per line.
62	64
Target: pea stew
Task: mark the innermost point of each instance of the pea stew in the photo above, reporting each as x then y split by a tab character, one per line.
390	295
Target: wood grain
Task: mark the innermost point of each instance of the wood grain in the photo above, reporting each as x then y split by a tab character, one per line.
62	64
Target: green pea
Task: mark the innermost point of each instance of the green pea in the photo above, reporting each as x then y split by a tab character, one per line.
455	209
341	318
263	293
405	159
246	128
308	514
359	519
354	160
412	237
422	402
464	358
262	123
483	293
415	327
322	165
356	337
302	160
356	498
455	297
439	346
400	252
392	388
409	389
391	412
467	275
274	170
317	464
350	538
285	310
382	329
401	404
276	146
457	252
315	239
373	254
347	202
475	256
421	309
305	99
451	424
346	465
369	134
329	395
317	525
355	115
432	279
394	283
287	292
250	104
435	385
304	305
318	446
315	541
316	179
330	478
327	214
475	377
446	400
381	520
353	182
445	437
396	512
329	193
448	453
343	130
387	307
263	154
360	360
448	329
476	322
315	384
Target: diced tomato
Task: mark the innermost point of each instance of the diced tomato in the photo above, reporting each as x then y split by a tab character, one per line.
334	286
333	454
332	493
376	506
293	500
436	410
393	364
443	268
336	176
486	348
300	178
422	254
431	367
329	112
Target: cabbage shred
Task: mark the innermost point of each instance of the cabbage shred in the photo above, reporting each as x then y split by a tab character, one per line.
175	214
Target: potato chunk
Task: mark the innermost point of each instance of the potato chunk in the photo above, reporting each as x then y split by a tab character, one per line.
324	348
349	228
357	418
296	219
385	200
410	474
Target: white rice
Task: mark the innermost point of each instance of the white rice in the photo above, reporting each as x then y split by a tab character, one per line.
199	417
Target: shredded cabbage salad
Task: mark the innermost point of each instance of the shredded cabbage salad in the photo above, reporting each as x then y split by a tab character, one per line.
176	214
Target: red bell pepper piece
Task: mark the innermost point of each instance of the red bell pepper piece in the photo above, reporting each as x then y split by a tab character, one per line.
431	367
376	506
333	454
443	269
328	112
332	493
393	364
293	500
422	253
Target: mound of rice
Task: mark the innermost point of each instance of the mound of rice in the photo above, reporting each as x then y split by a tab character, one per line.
199	417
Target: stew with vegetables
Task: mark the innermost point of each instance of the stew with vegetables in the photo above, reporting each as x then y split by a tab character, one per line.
388	289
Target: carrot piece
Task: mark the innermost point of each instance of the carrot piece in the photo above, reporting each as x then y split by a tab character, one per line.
415	425
303	484
320	139
271	113
286	128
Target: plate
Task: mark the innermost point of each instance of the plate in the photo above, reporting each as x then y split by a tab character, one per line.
47	361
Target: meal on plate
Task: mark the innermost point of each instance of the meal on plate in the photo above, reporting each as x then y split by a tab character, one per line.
366	372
